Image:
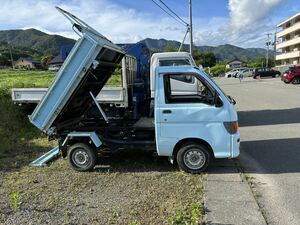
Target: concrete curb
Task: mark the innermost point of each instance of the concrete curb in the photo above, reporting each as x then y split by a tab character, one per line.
228	199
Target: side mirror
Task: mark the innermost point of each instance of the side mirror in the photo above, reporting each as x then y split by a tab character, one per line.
231	100
218	101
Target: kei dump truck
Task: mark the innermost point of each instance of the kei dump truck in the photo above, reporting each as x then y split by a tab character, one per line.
177	111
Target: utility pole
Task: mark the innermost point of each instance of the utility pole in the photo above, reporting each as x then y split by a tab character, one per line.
11	57
191	27
268	44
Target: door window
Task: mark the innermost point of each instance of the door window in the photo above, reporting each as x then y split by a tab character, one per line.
184	78
199	92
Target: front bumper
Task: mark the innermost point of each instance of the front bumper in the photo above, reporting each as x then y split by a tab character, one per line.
286	79
235	145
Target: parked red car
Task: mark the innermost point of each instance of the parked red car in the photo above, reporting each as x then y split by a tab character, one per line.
291	75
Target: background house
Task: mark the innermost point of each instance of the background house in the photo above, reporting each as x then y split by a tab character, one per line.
27	63
236	63
58	60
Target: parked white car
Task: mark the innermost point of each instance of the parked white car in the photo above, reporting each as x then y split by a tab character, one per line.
245	73
53	68
233	72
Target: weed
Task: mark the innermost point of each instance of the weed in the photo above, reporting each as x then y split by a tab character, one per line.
134	223
179	219
190	216
15	200
196	213
115	214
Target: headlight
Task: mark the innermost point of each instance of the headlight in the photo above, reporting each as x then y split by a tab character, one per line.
232	127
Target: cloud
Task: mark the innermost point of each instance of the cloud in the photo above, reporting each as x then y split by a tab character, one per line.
118	23
247	12
245	26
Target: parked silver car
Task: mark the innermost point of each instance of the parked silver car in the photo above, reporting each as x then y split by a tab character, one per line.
233	72
244	73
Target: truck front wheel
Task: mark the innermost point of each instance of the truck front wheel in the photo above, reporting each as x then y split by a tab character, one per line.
193	158
82	157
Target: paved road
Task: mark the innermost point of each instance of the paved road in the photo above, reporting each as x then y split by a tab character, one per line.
269	117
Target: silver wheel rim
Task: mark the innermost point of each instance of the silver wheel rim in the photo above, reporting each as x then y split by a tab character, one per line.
194	159
80	158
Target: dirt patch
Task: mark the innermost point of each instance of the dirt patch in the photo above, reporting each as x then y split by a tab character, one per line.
126	188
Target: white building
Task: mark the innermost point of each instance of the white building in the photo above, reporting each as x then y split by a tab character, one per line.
236	63
288	44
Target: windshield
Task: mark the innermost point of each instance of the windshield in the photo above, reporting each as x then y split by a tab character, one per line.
290	69
210	78
174	62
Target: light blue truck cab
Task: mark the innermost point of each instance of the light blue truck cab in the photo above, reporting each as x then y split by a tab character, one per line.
191	124
205	118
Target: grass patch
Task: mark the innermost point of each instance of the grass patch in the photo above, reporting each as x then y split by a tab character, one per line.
126	195
16	133
15	130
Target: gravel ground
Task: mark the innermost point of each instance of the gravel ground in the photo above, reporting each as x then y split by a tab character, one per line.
128	188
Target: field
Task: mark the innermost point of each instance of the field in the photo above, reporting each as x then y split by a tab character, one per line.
126	188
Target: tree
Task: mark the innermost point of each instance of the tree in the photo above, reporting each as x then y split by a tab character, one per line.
46	59
4	60
169	48
206	59
218	69
260	62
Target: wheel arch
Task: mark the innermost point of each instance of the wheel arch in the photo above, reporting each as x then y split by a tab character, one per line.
182	142
89	138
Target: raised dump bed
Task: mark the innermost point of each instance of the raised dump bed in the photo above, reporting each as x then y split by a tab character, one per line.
86	70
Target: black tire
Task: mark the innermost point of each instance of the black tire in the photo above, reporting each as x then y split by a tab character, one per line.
193	152
82	157
296	80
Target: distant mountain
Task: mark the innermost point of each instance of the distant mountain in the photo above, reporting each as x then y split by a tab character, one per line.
222	52
35	40
35	43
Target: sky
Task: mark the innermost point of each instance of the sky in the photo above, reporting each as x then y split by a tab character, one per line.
244	23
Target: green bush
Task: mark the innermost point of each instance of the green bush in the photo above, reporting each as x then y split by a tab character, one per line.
218	70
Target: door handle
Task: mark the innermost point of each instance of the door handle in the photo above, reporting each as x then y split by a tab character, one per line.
167	111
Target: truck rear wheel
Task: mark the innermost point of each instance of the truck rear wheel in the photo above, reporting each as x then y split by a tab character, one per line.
193	158
82	157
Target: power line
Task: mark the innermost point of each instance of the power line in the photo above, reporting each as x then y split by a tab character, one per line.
179	21
173	12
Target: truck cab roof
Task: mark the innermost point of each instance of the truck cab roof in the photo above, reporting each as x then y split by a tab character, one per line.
170	54
176	69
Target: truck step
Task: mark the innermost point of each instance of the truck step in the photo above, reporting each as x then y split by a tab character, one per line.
44	159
